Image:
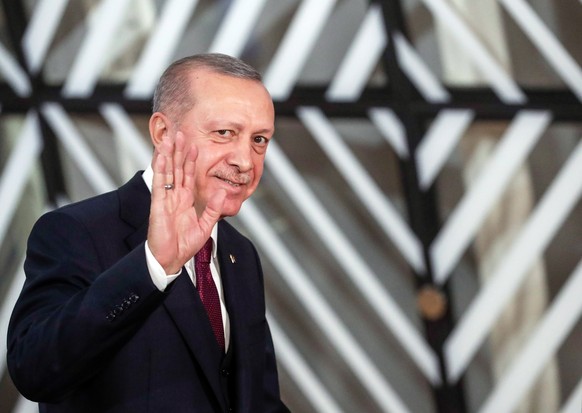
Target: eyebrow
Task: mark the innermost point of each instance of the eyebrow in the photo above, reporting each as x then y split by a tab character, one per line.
268	131
237	125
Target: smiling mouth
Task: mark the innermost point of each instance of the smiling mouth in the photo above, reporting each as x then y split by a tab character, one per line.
234	184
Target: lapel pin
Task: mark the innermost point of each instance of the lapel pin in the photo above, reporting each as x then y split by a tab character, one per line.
232	258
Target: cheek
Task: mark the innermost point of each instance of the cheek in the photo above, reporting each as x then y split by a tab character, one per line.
259	165
257	175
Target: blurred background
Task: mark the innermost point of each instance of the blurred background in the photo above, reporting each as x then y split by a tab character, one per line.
420	215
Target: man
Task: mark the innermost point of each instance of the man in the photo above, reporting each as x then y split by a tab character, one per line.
116	315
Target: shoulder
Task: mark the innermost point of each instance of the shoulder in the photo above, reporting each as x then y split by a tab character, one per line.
73	227
99	210
100	213
89	211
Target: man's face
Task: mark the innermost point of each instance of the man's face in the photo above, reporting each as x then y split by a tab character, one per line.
231	123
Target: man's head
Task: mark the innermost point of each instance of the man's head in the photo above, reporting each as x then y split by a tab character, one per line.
220	106
173	94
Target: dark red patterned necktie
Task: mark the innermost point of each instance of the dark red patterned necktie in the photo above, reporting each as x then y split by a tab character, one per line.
208	292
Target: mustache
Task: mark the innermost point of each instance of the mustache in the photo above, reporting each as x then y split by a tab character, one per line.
233	176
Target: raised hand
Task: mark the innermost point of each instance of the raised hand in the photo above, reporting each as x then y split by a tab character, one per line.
175	231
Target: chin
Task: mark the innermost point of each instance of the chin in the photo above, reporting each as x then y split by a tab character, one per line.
231	209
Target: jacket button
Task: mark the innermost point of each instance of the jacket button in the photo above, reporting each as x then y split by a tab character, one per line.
225	372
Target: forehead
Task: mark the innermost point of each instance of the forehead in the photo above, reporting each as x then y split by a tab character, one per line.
216	92
206	82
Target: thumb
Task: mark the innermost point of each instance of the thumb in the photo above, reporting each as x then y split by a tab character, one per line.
213	211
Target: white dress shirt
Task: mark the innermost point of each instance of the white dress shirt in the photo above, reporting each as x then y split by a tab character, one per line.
161	279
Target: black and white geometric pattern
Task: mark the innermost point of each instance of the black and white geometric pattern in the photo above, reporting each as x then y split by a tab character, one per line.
383	178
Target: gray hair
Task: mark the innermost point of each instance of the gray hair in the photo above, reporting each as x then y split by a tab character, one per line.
173	95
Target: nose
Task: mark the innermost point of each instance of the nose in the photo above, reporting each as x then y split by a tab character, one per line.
241	155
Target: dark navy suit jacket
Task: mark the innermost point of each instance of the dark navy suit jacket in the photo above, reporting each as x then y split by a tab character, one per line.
91	333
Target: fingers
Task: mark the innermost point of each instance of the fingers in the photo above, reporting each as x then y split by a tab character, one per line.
162	166
159	178
176	162
168	163
190	167
179	156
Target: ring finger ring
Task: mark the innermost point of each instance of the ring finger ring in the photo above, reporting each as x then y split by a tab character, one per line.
168	186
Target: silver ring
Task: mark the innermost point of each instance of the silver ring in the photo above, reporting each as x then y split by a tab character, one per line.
168	186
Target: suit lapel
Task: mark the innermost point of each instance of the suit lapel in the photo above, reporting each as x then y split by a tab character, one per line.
235	286
232	282
187	311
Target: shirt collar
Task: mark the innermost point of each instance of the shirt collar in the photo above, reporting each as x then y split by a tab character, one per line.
148	177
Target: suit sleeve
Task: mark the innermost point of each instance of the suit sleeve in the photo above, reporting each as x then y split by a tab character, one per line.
273	403
73	313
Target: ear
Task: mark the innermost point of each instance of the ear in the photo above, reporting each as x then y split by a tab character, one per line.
159	126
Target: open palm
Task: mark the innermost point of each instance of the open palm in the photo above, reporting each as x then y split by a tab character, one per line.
176	232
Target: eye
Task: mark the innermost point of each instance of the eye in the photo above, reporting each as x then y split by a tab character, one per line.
223	132
260	140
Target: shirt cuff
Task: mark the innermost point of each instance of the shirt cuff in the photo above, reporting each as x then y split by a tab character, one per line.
157	273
